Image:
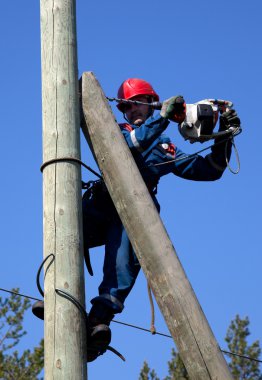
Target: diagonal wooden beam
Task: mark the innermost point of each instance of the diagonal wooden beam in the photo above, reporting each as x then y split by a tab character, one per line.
157	256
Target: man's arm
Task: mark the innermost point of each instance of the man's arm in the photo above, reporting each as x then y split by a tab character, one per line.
196	167
212	166
141	138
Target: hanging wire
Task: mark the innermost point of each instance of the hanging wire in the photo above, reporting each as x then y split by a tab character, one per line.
128	324
236	171
188	156
169	336
19	294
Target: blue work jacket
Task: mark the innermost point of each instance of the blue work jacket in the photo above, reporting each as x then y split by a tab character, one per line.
151	147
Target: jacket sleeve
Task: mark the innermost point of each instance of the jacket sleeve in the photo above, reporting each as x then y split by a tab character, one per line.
220	153
163	161
142	138
144	141
198	168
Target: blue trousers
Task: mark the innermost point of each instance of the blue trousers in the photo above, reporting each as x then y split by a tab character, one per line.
102	225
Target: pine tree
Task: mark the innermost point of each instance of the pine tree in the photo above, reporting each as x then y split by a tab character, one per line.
236	339
241	368
27	365
176	368
147	374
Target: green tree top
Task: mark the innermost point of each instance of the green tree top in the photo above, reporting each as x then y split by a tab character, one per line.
236	339
12	366
241	368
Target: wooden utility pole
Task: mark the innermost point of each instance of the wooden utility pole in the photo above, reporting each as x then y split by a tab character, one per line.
173	292
65	341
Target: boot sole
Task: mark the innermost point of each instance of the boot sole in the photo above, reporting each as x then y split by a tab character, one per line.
98	341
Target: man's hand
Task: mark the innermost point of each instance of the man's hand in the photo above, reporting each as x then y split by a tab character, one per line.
173	108
229	119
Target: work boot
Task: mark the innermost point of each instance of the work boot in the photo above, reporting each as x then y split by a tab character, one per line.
98	330
99	333
38	309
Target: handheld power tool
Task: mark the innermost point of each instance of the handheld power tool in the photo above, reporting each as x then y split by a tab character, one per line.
201	118
197	121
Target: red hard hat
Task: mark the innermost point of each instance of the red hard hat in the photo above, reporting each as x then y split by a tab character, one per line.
133	87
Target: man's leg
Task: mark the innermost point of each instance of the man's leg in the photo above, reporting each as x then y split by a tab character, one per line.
121	268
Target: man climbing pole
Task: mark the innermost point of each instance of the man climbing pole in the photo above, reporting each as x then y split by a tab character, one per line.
155	156
143	133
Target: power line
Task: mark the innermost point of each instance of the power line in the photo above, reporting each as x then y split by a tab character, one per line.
169	336
20	294
138	327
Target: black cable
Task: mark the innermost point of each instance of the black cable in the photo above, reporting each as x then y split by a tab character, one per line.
80	307
141	328
154	105
169	336
236	171
20	294
71	298
241	356
194	154
65	159
39	271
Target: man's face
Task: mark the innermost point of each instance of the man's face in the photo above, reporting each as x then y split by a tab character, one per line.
137	113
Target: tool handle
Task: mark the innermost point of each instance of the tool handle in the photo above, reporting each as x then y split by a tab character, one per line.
223	105
156	105
177	118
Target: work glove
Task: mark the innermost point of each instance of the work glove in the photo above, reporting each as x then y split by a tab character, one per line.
174	109
228	119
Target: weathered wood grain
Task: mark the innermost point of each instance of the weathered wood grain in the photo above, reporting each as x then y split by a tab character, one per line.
173	292
65	342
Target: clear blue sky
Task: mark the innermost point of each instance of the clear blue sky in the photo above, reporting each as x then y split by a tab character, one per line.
197	49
